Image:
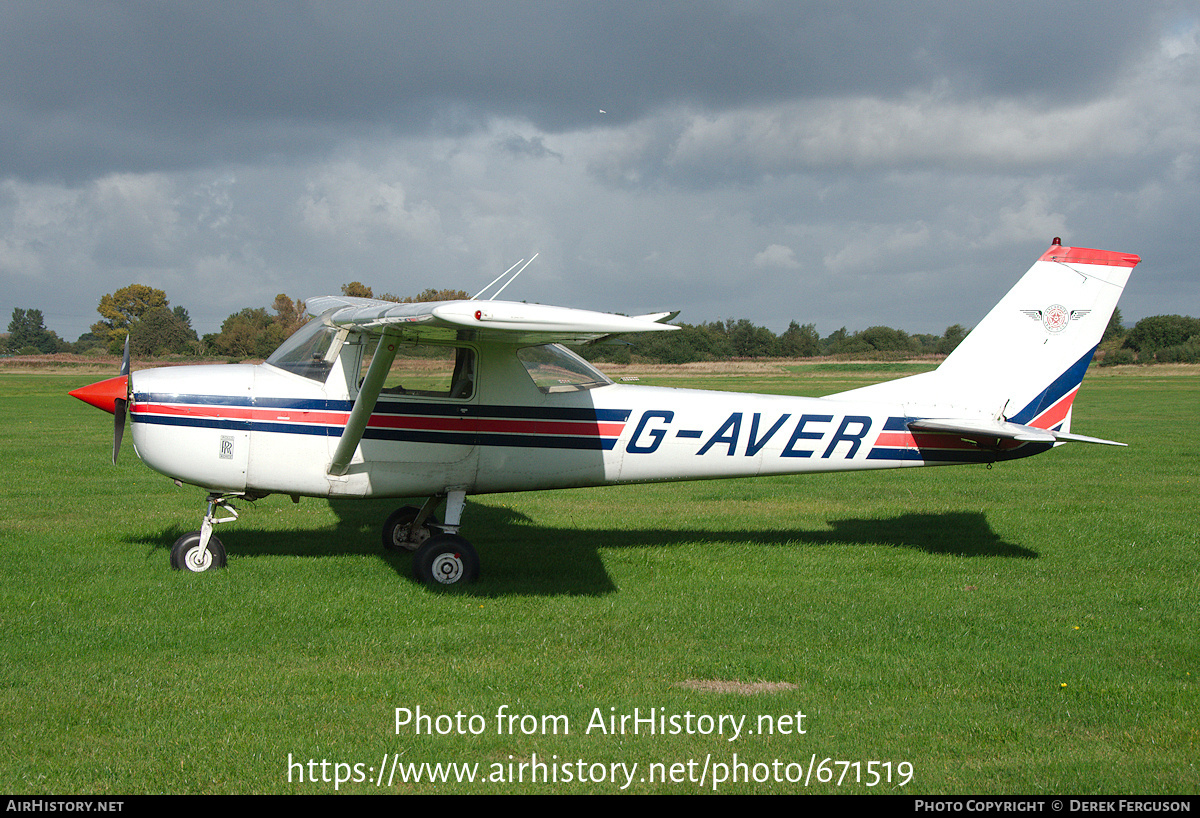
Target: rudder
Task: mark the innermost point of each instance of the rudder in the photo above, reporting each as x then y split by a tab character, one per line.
1025	360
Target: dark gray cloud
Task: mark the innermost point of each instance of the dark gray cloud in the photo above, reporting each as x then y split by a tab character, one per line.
842	162
147	85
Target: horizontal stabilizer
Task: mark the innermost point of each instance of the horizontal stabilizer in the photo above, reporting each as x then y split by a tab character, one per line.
1072	438
973	428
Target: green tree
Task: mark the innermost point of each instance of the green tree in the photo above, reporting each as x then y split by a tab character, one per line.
705	342
1158	331
87	342
161	330
251	333
27	329
356	289
121	308
289	313
886	339
832	343
954	335
840	342
431	294
1115	328
800	341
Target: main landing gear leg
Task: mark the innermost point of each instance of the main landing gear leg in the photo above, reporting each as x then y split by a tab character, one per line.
444	558
408	527
199	550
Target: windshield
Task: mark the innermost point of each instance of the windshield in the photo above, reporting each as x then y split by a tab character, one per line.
554	368
305	353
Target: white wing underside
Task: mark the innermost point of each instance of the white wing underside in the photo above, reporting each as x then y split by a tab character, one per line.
508	321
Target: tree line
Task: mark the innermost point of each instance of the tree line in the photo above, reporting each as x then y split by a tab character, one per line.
731	339
155	329
1162	339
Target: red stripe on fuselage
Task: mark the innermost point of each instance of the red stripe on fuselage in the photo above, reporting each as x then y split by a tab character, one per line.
243	413
388	421
925	440
908	440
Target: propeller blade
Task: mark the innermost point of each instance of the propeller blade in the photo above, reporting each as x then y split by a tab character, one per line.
120	403
118	425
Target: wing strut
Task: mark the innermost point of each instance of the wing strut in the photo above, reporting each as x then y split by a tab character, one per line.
364	404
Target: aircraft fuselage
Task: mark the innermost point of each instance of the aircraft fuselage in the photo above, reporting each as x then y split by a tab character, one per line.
259	429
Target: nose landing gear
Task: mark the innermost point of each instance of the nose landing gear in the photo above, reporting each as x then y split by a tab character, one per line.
198	551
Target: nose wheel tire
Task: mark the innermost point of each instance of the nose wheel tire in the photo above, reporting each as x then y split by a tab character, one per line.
187	555
446	560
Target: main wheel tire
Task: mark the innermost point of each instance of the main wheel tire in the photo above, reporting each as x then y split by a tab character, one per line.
446	560
186	554
399	533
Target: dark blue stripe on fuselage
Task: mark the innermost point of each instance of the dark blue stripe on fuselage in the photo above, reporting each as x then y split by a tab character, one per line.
239	425
548	440
929	455
394	407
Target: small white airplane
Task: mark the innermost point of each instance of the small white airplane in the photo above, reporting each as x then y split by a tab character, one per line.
502	406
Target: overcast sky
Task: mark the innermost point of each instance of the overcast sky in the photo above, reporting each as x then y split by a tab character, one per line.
839	163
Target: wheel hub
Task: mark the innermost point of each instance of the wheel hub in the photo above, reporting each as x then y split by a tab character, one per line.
198	559
409	536
448	568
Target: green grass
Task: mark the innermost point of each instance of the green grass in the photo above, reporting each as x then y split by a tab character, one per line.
1031	628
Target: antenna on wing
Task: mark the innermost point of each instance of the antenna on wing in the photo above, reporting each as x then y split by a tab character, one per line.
502	275
494	280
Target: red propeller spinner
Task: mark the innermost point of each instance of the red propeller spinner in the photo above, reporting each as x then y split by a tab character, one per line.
104	394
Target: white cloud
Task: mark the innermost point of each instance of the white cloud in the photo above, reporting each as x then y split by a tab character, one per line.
924	130
1034	219
778	256
875	247
351	202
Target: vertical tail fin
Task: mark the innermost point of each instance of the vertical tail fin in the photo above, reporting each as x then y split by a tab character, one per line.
1026	358
1024	361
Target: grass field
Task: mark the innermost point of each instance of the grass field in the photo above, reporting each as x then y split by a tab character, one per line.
1030	628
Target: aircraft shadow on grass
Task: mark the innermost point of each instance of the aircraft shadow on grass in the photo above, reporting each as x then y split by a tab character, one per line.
523	557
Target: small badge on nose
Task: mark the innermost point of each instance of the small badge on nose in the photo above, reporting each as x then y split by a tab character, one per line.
226	447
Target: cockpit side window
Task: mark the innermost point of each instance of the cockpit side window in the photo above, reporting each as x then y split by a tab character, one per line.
306	353
554	368
428	371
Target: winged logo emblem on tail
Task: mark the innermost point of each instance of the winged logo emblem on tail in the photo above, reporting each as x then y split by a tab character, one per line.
1055	317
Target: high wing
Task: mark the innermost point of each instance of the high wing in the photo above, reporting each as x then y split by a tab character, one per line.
508	321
